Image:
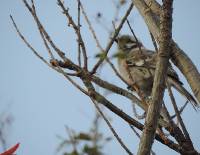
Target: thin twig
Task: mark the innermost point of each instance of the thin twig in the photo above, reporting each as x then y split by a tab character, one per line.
111	128
27	43
79	27
140	49
90	26
75	27
154	42
112	39
138	135
136	114
181	109
40	28
72	81
133	129
137	41
71	136
177	112
48	38
116	71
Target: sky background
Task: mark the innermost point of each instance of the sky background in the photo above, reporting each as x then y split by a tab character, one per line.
42	102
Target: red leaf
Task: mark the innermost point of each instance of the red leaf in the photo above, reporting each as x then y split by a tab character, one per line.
11	150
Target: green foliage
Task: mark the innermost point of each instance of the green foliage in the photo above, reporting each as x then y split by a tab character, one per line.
84	143
94	150
120	55
74	152
101	55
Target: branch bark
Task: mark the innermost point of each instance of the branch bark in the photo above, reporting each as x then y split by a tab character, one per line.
151	121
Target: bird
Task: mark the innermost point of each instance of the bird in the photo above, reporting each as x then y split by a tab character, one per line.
137	66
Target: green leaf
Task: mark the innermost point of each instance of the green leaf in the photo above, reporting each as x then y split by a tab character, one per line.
120	55
101	55
94	150
83	136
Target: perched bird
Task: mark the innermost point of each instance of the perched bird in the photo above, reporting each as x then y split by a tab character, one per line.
137	66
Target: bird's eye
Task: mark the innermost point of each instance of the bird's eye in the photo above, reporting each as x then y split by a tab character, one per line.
131	41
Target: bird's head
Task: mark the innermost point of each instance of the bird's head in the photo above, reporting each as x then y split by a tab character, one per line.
127	43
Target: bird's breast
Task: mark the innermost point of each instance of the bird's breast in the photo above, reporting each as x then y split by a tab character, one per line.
138	75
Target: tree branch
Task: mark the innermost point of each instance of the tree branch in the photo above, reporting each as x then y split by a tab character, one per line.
111	128
151	120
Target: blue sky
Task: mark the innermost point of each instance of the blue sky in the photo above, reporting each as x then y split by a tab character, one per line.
42	101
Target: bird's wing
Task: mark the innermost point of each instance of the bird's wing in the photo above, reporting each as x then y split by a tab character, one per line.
144	58
148	59
139	58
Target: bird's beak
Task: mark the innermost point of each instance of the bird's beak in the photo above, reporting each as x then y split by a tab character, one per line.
116	39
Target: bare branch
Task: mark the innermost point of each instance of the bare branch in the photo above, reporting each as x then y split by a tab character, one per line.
76	29
178	114
90	27
28	44
112	39
154	42
136	114
79	29
133	33
42	30
111	128
181	109
151	122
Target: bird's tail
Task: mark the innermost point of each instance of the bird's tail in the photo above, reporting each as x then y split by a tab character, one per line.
179	87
